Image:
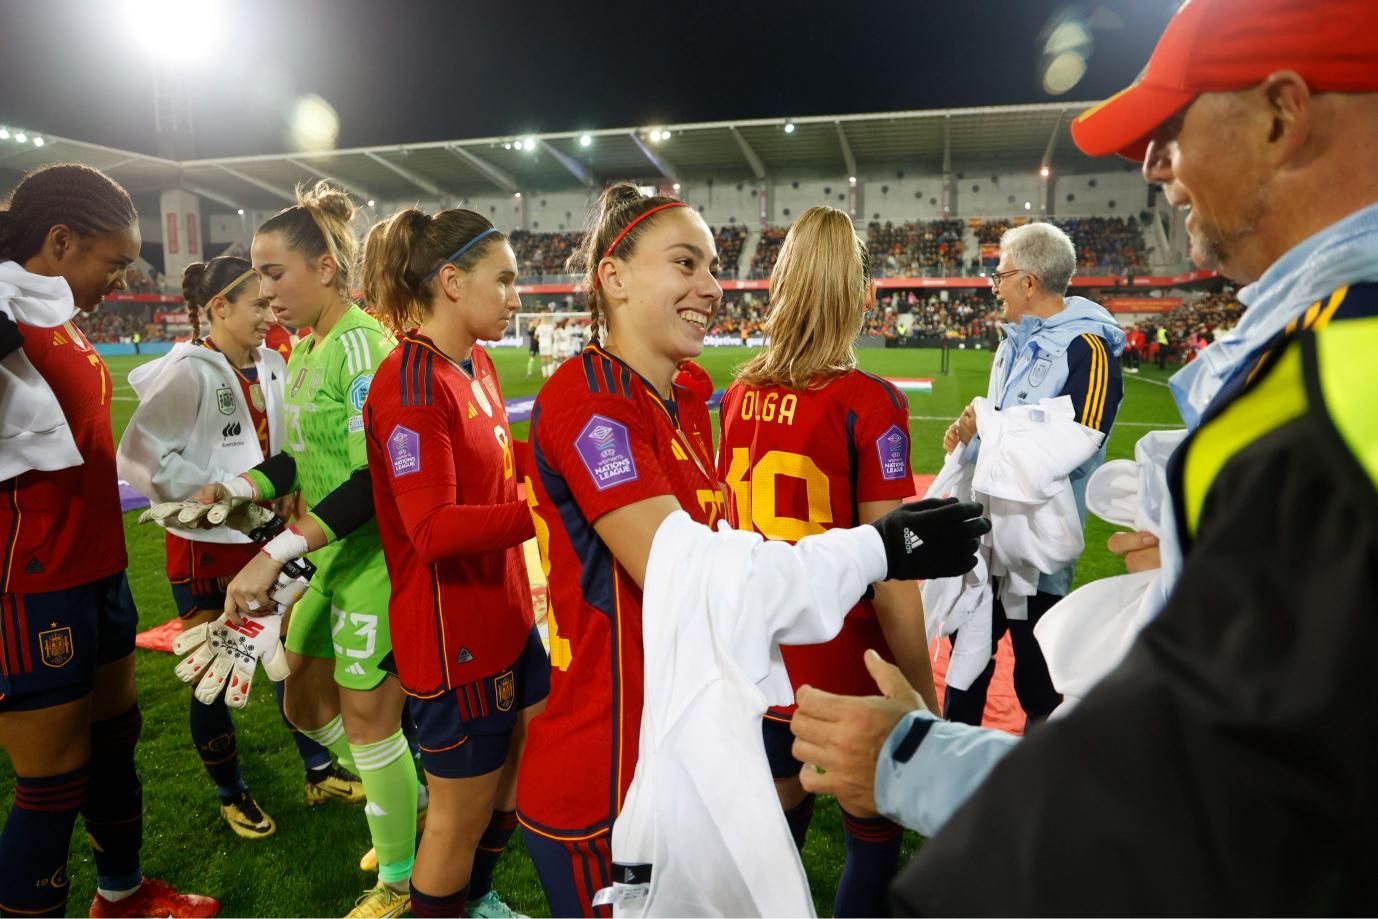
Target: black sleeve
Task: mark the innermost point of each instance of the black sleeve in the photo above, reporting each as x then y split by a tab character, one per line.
1093	381
10	338
281	470
1227	765
348	507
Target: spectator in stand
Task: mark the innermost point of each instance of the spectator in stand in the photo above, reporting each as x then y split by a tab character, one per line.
730	240
767	250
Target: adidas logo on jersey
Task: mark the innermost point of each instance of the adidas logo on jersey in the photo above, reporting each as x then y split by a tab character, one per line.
911	541
355	669
34	566
464	656
473	412
230	430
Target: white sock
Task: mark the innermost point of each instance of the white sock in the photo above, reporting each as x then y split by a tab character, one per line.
114	896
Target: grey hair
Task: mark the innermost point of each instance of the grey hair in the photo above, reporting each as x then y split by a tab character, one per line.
1044	251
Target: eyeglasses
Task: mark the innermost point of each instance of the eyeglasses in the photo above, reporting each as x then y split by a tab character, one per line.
996	277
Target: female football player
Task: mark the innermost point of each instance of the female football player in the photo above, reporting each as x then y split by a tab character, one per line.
808	443
452	524
338	693
69	718
215	405
617	449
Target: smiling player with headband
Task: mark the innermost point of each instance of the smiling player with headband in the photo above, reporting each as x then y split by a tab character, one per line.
618	450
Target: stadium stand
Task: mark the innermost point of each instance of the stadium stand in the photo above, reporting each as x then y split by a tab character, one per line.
917	249
1107	245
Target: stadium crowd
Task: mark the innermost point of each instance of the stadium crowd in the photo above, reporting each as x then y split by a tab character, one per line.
114	323
916	248
1107	245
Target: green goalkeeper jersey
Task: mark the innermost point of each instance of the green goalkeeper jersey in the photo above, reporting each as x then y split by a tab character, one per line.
327	382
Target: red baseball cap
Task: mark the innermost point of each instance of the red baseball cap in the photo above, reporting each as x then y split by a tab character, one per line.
1230	45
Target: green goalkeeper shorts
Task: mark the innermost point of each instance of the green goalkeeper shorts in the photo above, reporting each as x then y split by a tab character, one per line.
344	614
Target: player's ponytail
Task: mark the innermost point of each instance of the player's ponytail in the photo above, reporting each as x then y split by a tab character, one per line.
818	293
86	201
223	276
403	256
617	209
319	224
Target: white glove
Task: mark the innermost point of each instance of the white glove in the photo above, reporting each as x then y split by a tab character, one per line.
222	653
240	514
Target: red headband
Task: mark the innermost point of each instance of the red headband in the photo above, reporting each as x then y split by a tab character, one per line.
659	207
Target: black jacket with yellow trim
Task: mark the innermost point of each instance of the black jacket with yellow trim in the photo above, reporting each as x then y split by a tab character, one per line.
1227	766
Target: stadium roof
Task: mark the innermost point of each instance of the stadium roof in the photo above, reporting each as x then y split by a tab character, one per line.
999	137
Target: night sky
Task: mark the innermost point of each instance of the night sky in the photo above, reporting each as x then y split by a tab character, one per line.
422	70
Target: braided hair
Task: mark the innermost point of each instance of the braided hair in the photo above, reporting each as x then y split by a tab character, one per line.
83	199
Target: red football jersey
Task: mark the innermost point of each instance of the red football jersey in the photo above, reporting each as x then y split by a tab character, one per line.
279	339
601	439
189	560
434	426
799	463
63	528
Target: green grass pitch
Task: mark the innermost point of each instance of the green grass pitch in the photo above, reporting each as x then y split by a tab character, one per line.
310	867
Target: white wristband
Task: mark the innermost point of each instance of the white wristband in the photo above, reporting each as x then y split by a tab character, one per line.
239	487
285	546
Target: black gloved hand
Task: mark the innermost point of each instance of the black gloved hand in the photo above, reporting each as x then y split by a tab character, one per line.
932	538
10	339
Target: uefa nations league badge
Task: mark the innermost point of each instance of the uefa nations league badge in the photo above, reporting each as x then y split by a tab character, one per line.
404	451
893	447
606	450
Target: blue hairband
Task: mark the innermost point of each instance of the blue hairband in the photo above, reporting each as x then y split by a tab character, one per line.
456	254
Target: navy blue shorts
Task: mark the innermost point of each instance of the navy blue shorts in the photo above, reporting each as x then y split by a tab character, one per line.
779	740
571	871
51	643
466	732
198	595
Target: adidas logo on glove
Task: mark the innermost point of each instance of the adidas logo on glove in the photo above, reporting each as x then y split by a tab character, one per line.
911	541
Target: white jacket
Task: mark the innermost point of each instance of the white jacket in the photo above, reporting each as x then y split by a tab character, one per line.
949	604
192	426
1027	454
1021	477
33	430
702	807
1088	633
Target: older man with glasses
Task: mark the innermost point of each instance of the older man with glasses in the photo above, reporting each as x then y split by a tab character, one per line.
1053	345
1226	766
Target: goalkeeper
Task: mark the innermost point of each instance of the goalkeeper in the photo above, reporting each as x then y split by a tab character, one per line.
339	692
214	406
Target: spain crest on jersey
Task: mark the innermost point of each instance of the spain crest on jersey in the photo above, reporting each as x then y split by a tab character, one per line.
55	647
224	400
505	690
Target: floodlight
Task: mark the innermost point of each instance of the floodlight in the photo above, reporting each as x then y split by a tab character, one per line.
585	140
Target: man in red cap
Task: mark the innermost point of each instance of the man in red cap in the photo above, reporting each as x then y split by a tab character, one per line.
1226	765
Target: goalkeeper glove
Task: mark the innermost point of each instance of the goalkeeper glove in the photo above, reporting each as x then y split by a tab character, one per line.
240	514
932	538
222	655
